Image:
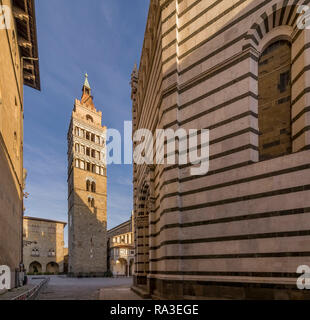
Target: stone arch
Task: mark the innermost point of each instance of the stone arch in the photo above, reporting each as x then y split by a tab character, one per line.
282	14
52	267
144	210
35	267
120	267
278	23
89	118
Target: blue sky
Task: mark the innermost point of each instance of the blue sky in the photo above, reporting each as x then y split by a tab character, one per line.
104	39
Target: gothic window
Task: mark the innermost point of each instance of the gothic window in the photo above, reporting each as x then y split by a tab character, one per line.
88	166
93	153
91	202
92	137
87	185
87	151
87	135
89	118
35	252
51	253
93	187
274	105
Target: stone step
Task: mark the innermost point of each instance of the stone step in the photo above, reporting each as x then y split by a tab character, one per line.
141	291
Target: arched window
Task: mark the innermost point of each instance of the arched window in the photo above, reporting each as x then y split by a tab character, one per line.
91	202
93	187
89	118
87	185
35	252
274	105
51	253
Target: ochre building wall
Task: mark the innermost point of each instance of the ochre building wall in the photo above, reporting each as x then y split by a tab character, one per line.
11	149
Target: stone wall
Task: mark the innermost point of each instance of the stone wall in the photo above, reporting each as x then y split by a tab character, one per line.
47	237
245	223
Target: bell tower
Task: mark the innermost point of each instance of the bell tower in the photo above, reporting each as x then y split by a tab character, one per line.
87	188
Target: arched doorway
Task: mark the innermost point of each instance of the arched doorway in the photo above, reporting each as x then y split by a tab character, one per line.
35	267
120	267
274	104
52	267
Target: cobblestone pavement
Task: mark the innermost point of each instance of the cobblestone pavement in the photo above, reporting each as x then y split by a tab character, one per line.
63	288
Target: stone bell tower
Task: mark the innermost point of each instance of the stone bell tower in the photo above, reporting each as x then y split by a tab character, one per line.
87	188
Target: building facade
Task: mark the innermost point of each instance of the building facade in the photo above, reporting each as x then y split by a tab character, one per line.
121	250
240	70
87	188
18	66
43	245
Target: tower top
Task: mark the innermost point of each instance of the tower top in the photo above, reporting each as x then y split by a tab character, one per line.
87	98
86	83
